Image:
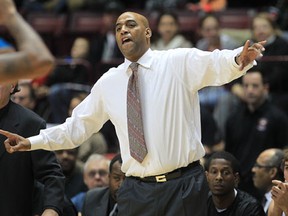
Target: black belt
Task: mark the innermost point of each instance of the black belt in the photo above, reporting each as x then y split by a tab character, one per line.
168	176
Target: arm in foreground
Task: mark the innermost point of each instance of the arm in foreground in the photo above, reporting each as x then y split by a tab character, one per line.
32	58
14	142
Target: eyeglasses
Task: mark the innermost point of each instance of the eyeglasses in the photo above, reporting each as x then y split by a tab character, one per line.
256	165
100	172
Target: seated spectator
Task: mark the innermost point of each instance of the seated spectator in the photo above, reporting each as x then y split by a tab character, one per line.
103	201
223	176
68	77
210	34
95	174
266	168
254	126
27	98
279	203
275	72
168	33
73	171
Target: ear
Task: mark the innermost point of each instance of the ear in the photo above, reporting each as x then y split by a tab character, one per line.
12	86
148	33
273	172
206	173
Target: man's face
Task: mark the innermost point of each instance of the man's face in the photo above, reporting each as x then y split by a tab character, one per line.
262	29
210	28
167	27
132	36
254	89
116	178
67	160
96	174
262	175
23	98
220	177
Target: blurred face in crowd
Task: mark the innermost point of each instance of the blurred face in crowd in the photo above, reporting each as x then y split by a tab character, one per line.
23	97
255	91
5	91
80	48
132	35
263	173
167	27
210	28
221	178
96	173
262	29
67	159
116	178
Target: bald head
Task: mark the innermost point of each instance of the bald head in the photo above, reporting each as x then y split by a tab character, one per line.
138	17
133	35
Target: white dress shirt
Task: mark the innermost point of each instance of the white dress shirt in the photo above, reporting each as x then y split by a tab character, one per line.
169	84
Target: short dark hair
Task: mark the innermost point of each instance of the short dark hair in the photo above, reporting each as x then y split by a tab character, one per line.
116	158
235	165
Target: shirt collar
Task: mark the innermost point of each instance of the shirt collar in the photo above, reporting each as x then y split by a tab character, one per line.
145	60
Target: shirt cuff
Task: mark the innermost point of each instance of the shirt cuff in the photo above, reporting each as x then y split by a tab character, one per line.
37	142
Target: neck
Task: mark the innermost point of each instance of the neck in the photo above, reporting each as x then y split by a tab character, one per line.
223	201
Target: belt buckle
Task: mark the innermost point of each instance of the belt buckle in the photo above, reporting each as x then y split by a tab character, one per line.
161	178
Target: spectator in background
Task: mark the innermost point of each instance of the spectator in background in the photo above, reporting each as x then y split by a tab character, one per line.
266	168
278	206
26	97
73	171
103	201
69	76
103	46
95	174
223	176
211	36
275	72
254	126
211	136
168	33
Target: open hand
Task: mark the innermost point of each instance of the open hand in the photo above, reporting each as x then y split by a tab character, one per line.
14	142
250	53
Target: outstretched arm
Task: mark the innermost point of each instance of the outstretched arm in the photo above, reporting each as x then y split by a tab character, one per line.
32	58
14	142
250	53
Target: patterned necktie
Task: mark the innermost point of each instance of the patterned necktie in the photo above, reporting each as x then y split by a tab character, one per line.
137	144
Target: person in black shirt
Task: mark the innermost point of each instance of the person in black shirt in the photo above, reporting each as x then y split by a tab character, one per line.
255	125
223	175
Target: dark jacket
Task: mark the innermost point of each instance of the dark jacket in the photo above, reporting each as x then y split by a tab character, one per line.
20	170
97	202
243	205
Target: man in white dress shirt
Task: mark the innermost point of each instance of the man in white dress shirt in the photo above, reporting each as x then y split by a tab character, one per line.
170	180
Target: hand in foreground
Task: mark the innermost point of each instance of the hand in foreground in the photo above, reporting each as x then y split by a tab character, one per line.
250	53
14	142
280	194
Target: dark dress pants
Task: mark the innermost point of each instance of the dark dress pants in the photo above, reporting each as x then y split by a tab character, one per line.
183	196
